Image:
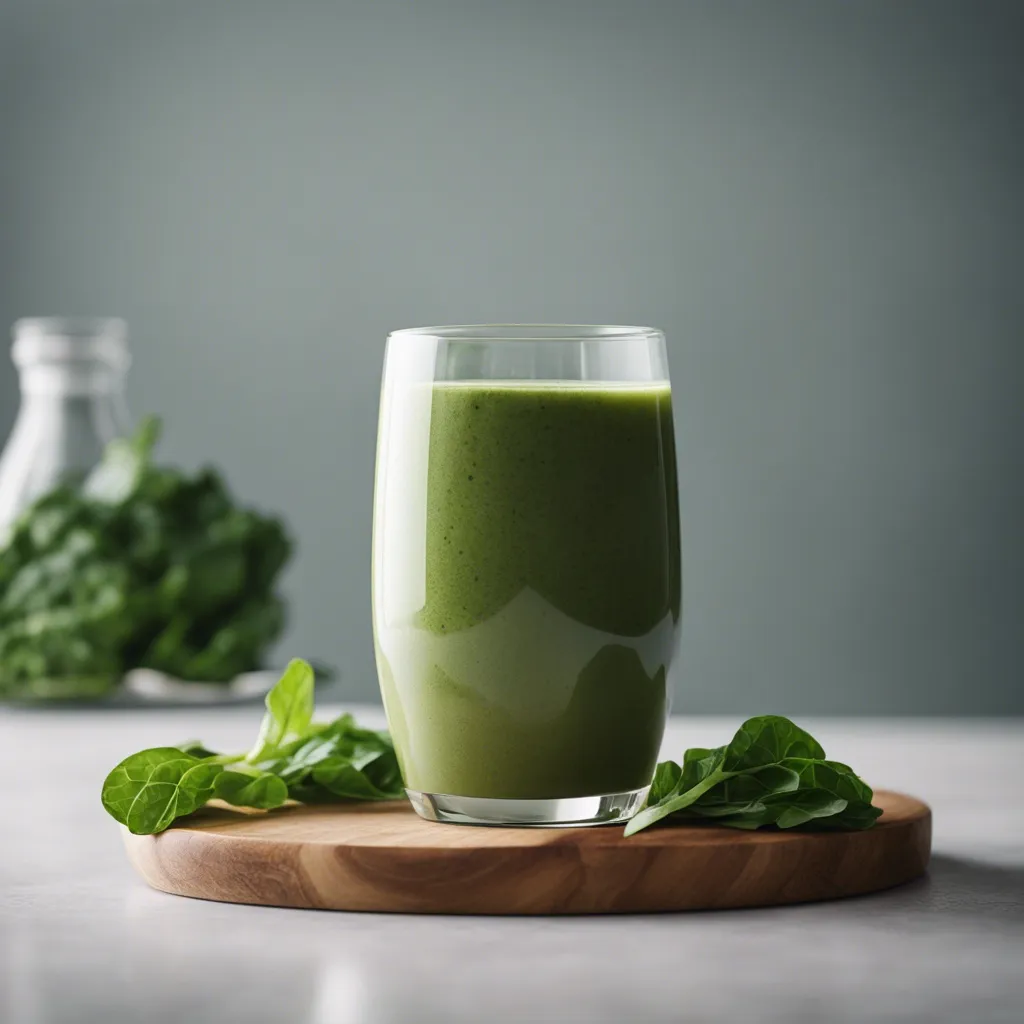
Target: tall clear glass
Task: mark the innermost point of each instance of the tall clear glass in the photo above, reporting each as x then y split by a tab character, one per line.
526	568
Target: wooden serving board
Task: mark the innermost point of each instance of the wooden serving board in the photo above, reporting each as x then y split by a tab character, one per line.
383	857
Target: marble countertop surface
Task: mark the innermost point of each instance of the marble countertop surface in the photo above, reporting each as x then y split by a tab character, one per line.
83	940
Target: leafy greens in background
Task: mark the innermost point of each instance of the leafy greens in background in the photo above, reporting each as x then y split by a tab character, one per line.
293	758
142	566
772	773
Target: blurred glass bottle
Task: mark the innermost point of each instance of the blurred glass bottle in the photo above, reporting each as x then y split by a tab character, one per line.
72	375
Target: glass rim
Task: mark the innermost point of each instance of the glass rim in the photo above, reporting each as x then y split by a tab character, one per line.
525	333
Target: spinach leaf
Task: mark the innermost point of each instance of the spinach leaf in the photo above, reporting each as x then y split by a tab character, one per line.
289	710
293	758
745	793
768	739
771	773
148	790
343	760
344	779
156	804
126	780
298	761
386	775
196	786
194	748
666	779
822	779
362	766
246	786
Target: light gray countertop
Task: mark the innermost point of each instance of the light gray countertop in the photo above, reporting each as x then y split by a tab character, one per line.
82	939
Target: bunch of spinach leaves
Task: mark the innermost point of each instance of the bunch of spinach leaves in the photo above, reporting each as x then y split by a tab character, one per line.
141	566
292	758
772	773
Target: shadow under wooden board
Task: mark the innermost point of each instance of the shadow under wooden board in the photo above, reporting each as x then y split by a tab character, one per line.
382	857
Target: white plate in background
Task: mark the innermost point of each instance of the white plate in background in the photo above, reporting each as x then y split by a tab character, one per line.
146	685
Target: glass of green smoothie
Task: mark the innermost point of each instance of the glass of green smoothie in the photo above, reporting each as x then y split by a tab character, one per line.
526	568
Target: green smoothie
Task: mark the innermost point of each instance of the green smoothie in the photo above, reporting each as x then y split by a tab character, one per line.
527	585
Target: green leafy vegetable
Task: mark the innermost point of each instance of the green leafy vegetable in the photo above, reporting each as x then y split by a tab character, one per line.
289	710
148	790
143	566
772	773
344	779
130	777
293	758
245	786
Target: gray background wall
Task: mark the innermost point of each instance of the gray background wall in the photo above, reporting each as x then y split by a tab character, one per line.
822	203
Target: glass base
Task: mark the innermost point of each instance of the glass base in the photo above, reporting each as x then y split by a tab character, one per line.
607	809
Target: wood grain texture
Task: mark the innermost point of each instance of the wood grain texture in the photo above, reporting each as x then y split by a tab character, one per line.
382	857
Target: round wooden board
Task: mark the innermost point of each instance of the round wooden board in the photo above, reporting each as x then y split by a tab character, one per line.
383	857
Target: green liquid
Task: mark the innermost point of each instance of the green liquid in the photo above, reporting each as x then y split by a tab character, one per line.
527	586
